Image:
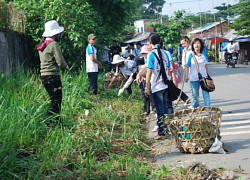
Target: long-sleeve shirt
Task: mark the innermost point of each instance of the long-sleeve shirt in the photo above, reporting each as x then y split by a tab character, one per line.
51	59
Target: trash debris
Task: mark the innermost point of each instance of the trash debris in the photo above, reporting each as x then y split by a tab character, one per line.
217	147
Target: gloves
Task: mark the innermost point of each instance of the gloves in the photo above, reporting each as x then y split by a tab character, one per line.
120	91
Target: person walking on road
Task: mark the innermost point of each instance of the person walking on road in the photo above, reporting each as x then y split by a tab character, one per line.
191	73
158	73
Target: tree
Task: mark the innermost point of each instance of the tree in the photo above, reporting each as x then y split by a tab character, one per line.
172	32
79	18
241	23
222	11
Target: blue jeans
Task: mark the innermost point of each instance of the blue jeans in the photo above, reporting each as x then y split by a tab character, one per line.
163	106
195	87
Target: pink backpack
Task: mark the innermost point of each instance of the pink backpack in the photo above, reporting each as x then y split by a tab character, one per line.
177	73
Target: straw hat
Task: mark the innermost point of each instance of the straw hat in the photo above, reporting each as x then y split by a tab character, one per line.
117	59
145	49
52	28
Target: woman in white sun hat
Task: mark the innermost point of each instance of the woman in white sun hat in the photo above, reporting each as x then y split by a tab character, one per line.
51	62
127	69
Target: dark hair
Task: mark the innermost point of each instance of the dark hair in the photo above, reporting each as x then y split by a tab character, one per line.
194	41
138	44
155	38
185	38
131	44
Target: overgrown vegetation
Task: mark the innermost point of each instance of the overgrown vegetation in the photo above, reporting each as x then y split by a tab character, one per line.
100	136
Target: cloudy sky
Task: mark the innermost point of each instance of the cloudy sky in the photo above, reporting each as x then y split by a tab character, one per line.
193	6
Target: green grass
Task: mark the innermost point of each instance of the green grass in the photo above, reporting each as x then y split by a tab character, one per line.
82	147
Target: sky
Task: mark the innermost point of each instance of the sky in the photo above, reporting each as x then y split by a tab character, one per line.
193	6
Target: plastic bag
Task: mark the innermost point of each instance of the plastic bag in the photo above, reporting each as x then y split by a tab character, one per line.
217	147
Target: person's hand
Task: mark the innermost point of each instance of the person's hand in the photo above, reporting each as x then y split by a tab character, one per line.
186	79
100	66
138	79
147	92
67	67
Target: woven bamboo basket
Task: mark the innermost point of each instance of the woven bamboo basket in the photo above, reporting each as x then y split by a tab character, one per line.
195	130
117	83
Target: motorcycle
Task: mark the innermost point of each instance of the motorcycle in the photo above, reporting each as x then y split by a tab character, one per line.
232	59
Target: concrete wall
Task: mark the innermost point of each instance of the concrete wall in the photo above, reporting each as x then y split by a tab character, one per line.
15	52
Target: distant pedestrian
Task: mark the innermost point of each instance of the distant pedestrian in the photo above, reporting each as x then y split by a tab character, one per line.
52	61
115	49
170	49
92	64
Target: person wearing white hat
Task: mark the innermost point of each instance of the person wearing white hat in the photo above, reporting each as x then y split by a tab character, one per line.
127	68
92	64
51	62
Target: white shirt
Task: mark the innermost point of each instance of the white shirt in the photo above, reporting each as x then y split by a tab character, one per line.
231	48
185	55
193	73
91	66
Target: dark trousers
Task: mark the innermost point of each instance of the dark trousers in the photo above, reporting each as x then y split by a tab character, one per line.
93	82
53	86
183	97
147	100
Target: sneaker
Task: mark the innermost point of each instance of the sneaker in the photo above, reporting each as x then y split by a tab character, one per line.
155	129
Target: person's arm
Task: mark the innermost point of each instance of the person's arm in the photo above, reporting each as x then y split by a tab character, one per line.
114	76
95	60
140	73
59	57
148	77
186	70
183	59
206	67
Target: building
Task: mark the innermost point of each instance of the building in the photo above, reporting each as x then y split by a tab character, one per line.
142	30
210	29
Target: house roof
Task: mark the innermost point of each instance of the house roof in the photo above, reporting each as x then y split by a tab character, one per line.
205	27
233	34
143	36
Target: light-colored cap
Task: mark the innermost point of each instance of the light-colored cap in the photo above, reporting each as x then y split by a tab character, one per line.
52	28
91	36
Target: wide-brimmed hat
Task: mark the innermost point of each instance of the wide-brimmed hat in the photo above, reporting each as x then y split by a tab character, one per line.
145	49
91	36
52	28
117	59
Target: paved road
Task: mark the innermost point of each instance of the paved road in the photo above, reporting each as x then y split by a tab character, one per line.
232	95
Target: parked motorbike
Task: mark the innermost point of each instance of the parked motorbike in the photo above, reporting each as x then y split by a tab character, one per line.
232	59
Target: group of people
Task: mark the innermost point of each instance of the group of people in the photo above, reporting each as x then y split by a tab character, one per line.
151	68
